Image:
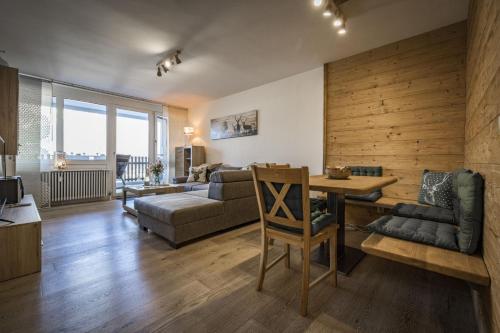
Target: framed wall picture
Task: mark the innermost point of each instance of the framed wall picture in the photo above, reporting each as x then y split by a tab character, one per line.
234	126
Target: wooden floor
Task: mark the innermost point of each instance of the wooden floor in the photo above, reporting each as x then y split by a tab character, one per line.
101	273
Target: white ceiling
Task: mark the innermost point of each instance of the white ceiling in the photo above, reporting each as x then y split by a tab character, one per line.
228	45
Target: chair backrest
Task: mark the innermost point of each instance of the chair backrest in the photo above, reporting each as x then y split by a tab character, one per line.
283	197
121	164
278	166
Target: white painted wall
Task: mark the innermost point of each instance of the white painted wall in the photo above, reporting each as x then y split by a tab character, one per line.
290	117
177	119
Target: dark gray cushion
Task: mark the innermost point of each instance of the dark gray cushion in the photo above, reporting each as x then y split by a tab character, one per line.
318	222
374	171
430	213
470	191
293	199
231	176
318	204
190	186
371	197
437	189
422	231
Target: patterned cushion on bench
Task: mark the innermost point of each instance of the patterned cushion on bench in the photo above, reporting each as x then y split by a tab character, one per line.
319	221
373	171
421	231
430	213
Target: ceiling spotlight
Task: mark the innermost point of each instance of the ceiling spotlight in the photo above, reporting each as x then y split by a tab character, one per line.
328	10
342	30
338	22
165	69
177	59
168	63
158	72
317	3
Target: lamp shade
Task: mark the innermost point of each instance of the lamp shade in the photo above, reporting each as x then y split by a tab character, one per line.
188	131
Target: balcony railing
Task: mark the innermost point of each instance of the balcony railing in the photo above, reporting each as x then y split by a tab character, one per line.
136	169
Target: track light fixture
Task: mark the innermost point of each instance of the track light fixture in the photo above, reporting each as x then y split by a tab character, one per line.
330	9
317	3
327	12
168	62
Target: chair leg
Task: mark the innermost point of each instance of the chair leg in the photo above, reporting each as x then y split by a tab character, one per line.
333	258
305	281
287	251
263	261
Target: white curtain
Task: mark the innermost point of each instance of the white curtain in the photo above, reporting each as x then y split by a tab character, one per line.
36	131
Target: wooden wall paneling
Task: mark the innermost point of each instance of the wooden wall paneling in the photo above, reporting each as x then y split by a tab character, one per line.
482	133
9	96
401	106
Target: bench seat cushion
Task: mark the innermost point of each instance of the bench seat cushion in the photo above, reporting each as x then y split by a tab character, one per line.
422	231
179	208
430	213
371	197
318	222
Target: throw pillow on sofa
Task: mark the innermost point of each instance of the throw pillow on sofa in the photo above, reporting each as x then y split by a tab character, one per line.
198	174
437	189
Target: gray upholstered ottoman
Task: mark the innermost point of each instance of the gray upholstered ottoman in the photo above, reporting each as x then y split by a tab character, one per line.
179	217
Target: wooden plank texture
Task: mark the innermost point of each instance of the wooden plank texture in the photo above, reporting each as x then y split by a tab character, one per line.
401	106
482	134
462	266
9	96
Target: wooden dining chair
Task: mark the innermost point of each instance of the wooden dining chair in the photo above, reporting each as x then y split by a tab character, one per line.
278	166
284	206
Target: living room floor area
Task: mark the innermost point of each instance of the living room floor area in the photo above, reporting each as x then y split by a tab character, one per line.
101	272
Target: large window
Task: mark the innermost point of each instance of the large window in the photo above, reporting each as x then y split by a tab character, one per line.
84	130
132	133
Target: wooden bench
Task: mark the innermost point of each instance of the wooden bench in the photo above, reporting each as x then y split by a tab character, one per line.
383	202
470	268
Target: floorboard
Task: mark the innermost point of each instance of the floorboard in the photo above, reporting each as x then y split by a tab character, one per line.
101	273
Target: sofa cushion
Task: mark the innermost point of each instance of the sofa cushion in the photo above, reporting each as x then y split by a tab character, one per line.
179	208
231	191
200	187
318	222
422	231
371	197
437	189
230	176
470	191
198	174
430	213
189	186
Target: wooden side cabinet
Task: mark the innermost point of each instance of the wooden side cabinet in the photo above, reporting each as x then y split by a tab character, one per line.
186	157
9	96
20	242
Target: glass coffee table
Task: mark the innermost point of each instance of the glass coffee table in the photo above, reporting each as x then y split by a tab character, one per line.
140	191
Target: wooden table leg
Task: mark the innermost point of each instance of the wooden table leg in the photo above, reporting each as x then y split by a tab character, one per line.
347	257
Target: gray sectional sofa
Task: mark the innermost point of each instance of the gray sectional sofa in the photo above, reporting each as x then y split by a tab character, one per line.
229	201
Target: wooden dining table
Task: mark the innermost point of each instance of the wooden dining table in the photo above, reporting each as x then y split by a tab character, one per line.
336	189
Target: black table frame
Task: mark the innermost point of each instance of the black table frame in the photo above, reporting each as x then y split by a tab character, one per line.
347	257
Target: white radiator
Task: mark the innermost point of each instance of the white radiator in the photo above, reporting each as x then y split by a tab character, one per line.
70	186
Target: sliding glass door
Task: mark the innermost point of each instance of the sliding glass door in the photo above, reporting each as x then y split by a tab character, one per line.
133	144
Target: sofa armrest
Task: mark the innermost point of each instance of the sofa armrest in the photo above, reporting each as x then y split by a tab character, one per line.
180	180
